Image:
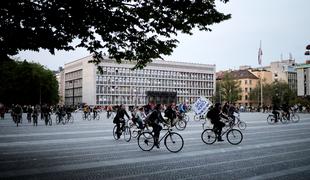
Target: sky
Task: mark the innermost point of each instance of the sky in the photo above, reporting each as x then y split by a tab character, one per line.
282	26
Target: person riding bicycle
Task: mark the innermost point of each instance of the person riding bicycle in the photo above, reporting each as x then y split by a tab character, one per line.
68	110
139	117
35	115
18	111
215	115
275	112
86	111
154	120
286	109
170	113
29	112
109	111
119	119
231	110
46	113
95	112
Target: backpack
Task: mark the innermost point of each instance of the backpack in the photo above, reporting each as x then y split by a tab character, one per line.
210	115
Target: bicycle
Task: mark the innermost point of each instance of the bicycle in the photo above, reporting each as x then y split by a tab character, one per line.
173	141
234	136
180	123
86	116
198	117
294	117
272	120
48	119
241	124
95	116
68	118
124	130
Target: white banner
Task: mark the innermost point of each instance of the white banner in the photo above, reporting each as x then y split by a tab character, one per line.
202	105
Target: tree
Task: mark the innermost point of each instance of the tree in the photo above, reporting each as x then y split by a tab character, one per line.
228	89
27	83
137	30
276	93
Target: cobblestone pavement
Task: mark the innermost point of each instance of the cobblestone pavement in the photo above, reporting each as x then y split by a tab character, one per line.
87	150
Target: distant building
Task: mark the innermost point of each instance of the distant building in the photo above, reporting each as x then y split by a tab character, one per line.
303	79
248	82
120	85
284	71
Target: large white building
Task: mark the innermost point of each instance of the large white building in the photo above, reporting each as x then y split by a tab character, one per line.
119	84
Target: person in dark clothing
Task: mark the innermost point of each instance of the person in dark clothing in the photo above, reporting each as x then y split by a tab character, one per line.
155	119
119	120
225	108
170	113
286	110
275	112
215	115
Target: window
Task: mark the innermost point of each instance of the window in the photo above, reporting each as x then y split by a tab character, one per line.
246	97
245	81
246	89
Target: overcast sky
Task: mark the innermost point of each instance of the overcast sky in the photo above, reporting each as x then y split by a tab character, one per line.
283	26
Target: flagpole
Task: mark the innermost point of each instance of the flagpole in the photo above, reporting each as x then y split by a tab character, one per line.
261	81
260	53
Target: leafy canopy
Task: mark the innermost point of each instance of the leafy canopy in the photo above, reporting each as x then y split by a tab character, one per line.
138	30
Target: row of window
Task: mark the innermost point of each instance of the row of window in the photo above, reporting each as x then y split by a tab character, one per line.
155	73
133	100
100	89
152	82
74	75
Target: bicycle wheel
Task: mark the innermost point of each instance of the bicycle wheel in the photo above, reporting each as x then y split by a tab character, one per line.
270	119
98	117
181	125
174	142
186	117
114	133
208	136
146	141
197	117
295	118
134	130
234	136
127	134
284	120
242	125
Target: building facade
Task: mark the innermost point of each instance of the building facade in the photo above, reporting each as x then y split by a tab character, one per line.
303	79
284	71
119	84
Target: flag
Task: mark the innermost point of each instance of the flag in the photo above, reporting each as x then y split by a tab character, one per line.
260	54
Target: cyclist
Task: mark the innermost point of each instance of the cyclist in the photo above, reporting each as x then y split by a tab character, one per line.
86	111
35	115
18	111
231	110
170	113
109	111
119	119
95	112
68	111
275	112
215	115
286	110
154	120
46	113
140	116
29	112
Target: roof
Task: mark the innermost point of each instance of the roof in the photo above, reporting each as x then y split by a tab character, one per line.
238	74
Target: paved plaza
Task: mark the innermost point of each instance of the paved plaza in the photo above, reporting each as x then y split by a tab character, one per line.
87	150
